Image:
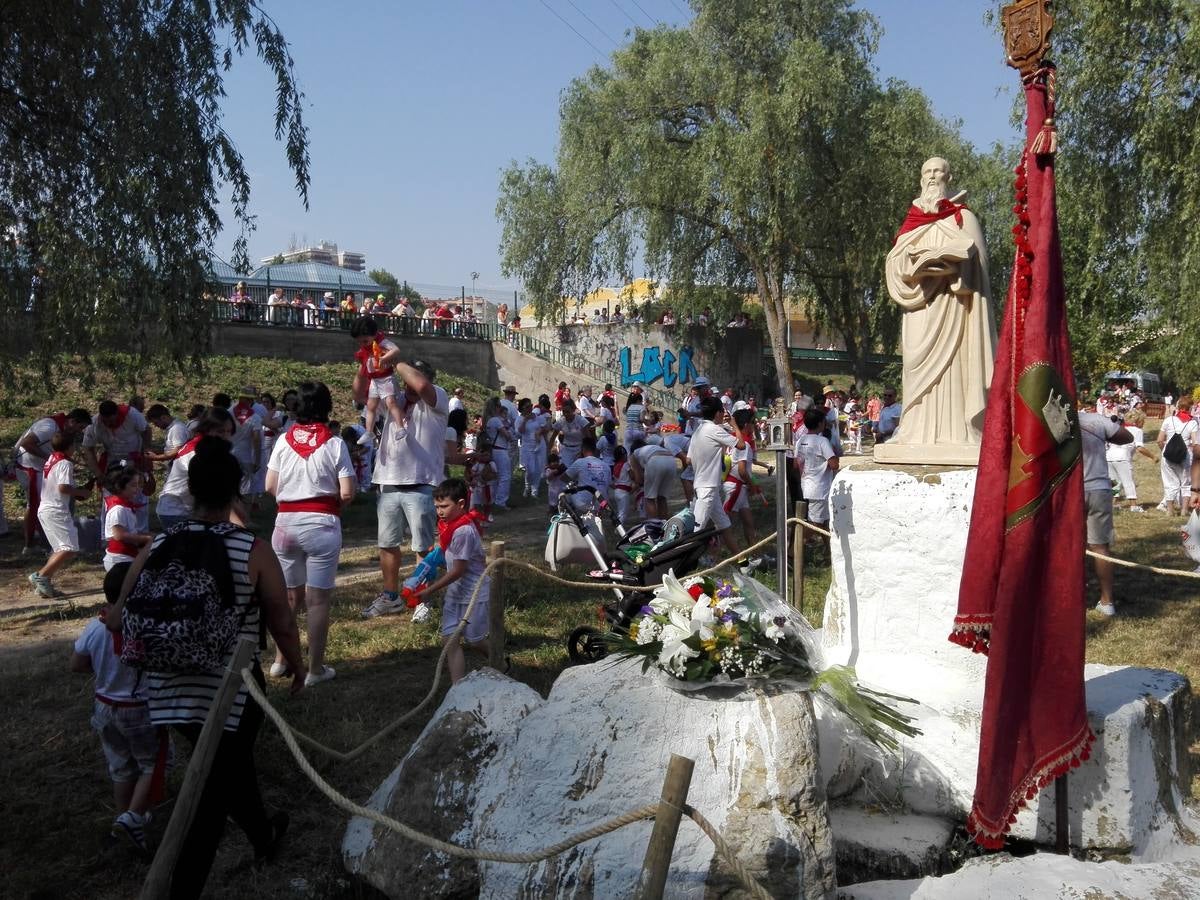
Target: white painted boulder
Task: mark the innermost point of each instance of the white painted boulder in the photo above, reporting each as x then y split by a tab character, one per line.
499	767
433	789
899	537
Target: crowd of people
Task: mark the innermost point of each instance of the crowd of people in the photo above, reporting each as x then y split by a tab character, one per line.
217	460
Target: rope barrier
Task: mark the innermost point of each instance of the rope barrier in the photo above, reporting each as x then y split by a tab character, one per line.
1129	564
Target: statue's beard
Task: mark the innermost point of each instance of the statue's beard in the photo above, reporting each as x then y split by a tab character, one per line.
930	195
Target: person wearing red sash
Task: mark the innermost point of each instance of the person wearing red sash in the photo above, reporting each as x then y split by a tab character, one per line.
465	606
175	499
119	432
739	484
377	357
54	512
32	451
124	540
312	478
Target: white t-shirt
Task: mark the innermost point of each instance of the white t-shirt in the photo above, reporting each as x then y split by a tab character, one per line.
1173	425
466	544
587	406
815	451
633	418
889	418
1096	431
174	497
114	680
692	408
44	430
118	442
420	456
457	403
527	430
246	436
126	518
746	455
62	473
510	411
643	455
571	432
591	471
706	451
177	435
498	432
316	476
1124	452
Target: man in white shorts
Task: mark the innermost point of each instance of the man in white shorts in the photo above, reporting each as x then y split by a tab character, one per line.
32	451
706	451
655	468
570	430
817	462
406	471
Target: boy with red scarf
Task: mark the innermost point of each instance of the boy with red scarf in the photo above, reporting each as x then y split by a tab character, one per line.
124	538
32	451
459	536
54	513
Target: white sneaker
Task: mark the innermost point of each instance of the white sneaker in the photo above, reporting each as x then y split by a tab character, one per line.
279	670
1106	609
42	586
383	605
366	439
1136	509
1162	507
422	612
326	674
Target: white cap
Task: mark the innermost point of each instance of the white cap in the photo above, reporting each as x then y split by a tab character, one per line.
740	404
701	381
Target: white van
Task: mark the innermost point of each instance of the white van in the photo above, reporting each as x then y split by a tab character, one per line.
1147	384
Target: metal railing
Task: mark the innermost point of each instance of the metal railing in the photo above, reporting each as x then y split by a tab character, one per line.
257	314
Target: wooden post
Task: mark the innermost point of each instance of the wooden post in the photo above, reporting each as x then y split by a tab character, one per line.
158	879
657	863
798	554
496	634
1061	839
781	517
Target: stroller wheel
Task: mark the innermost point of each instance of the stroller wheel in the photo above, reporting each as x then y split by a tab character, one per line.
586	645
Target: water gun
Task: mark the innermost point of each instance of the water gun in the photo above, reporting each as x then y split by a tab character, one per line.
425	573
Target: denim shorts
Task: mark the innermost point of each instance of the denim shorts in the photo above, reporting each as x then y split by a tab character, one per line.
413	505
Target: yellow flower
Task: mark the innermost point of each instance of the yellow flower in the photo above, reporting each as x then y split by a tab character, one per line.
709	645
633	631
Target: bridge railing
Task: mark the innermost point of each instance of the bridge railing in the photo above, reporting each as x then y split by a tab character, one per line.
257	314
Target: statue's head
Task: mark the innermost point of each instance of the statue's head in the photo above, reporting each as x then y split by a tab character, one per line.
935	182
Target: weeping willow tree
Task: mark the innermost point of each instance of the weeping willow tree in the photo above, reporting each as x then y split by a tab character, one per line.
112	164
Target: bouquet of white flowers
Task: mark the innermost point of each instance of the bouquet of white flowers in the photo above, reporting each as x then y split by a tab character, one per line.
734	635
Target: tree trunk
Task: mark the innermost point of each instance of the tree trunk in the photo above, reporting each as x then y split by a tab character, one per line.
770	295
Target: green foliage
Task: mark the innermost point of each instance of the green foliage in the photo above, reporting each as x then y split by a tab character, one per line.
389	282
113	161
1129	181
753	150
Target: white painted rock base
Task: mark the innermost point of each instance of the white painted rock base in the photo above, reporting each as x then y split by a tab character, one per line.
533	772
899	540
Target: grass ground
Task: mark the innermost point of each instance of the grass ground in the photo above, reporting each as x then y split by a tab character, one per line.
55	797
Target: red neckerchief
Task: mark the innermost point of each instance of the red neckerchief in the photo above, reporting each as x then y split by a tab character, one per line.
446	529
116	635
1183	416
54	459
617	468
917	217
242	411
60	419
113	500
307	439
189	447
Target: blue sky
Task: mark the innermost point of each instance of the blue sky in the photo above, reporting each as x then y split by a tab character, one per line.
414	108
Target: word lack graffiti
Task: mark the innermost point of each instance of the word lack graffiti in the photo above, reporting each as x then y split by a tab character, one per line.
656	364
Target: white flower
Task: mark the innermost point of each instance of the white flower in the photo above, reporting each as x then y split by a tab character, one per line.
675	653
648	630
773	631
702	618
671	595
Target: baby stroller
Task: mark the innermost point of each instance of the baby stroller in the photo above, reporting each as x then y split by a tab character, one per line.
643	555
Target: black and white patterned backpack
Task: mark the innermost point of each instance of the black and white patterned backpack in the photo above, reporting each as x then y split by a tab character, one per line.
182	615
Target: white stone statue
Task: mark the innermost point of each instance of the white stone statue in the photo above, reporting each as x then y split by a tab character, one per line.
938	272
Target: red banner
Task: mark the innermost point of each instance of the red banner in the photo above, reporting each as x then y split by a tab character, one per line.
1021	598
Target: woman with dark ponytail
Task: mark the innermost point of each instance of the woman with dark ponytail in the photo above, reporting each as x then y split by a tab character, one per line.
182	699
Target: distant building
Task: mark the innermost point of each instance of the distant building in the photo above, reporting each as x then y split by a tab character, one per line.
324	252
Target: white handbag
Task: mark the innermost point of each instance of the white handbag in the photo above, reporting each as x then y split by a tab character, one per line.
565	544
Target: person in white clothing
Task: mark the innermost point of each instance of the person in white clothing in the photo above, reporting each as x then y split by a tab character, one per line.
118	432
817	462
1176	476
175	433
406	471
570	430
31	451
889	417
122	534
706	451
312	479
500	441
677	443
1120	458
531	431
175	498
377	356
654	468
591	472
635	428
247	437
54	512
739	483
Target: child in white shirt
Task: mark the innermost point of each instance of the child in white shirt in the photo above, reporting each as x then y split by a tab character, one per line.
54	512
555	478
481	475
124	535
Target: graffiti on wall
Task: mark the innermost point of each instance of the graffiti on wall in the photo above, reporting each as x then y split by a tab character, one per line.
658	364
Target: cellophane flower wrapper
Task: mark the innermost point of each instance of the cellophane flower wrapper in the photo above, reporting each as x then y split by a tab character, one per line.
732	638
